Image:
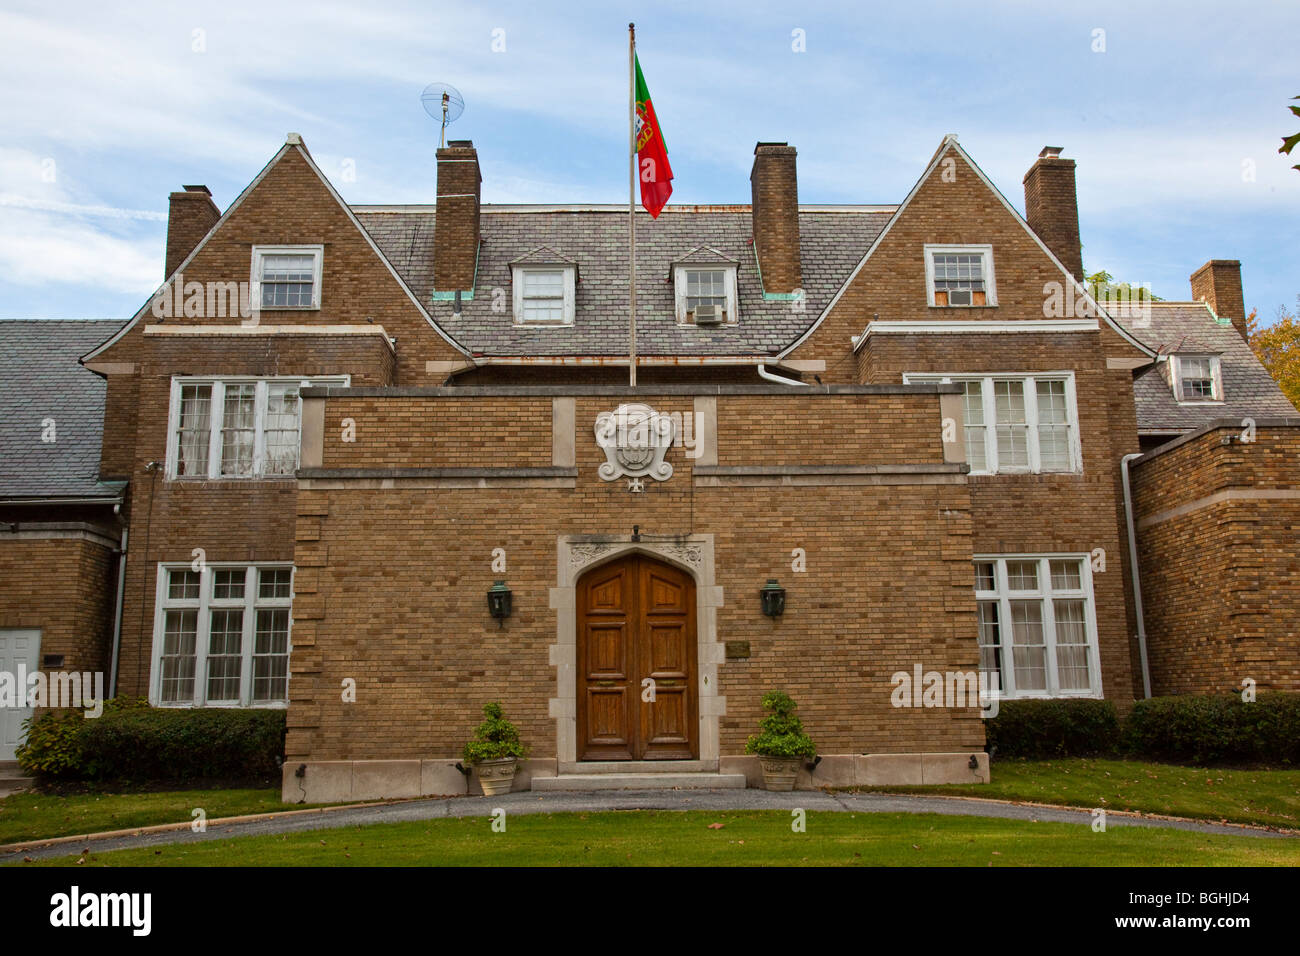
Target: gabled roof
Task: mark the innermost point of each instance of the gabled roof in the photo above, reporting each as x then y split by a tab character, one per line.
40	380
292	142
703	254
543	255
831	242
1190	327
950	143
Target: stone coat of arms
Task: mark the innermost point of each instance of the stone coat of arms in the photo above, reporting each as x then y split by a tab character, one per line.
635	438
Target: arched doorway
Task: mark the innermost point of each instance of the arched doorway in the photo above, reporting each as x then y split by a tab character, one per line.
636	620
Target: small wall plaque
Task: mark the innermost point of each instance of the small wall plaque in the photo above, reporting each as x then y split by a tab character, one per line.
737	650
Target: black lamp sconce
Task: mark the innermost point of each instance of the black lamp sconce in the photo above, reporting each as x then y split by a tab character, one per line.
499	602
773	598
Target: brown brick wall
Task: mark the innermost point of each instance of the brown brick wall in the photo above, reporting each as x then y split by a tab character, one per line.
64	587
891	284
848	429
1221	583
391	590
1047	513
232	520
292	206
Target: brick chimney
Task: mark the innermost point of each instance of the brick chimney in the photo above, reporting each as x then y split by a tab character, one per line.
775	211
1218	284
189	217
455	233
1052	207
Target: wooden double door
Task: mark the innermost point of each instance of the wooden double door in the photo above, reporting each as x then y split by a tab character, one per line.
636	621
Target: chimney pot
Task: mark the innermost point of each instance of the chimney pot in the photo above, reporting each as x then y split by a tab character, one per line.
1050	152
775	214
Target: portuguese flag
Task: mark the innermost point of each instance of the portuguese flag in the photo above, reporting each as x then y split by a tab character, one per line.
651	151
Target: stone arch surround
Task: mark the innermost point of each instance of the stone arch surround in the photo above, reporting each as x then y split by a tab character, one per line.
577	554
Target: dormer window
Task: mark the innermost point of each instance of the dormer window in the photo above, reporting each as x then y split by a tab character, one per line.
544	295
1196	378
706	294
288	277
959	276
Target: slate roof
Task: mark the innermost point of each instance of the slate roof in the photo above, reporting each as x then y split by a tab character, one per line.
595	238
40	378
1190	327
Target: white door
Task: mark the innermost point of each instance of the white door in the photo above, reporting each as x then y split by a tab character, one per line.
16	647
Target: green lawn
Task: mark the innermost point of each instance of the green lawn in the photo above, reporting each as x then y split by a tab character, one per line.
747	838
1267	797
34	816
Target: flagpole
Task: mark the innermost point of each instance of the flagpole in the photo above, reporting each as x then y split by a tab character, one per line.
631	197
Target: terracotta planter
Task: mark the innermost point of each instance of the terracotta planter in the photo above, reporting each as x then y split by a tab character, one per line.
779	772
496	776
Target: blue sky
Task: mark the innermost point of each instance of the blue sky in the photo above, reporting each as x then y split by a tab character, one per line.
1175	125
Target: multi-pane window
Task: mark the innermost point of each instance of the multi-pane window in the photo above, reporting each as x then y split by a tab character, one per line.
1017	424
705	287
1036	626
1197	378
288	276
544	296
236	428
223	635
959	279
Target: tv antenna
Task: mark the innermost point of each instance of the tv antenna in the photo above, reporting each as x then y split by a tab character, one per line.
444	103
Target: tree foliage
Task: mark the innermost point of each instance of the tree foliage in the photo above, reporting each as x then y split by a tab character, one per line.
1101	285
1289	142
1278	349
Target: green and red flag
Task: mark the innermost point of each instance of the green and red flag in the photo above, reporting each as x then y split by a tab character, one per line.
651	151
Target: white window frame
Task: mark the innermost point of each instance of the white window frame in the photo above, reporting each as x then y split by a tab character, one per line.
204	605
728	269
1003	594
985	251
1030	381
217	412
1216	379
570	294
261	252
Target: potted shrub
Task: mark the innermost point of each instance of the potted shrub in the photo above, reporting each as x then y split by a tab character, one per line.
494	751
782	744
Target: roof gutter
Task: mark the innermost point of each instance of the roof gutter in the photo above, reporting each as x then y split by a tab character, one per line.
1133	571
15	502
763	373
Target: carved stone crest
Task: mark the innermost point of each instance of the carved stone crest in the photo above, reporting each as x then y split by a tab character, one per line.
635	438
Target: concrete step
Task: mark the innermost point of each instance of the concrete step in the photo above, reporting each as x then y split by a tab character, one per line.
638	766
641	781
15	779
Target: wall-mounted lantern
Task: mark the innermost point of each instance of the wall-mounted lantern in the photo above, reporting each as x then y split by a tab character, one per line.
499	602
773	598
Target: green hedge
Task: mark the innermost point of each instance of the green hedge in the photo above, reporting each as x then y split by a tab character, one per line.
1053	728
1187	729
1214	729
133	740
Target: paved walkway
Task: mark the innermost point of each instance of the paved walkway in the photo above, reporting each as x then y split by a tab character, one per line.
566	802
